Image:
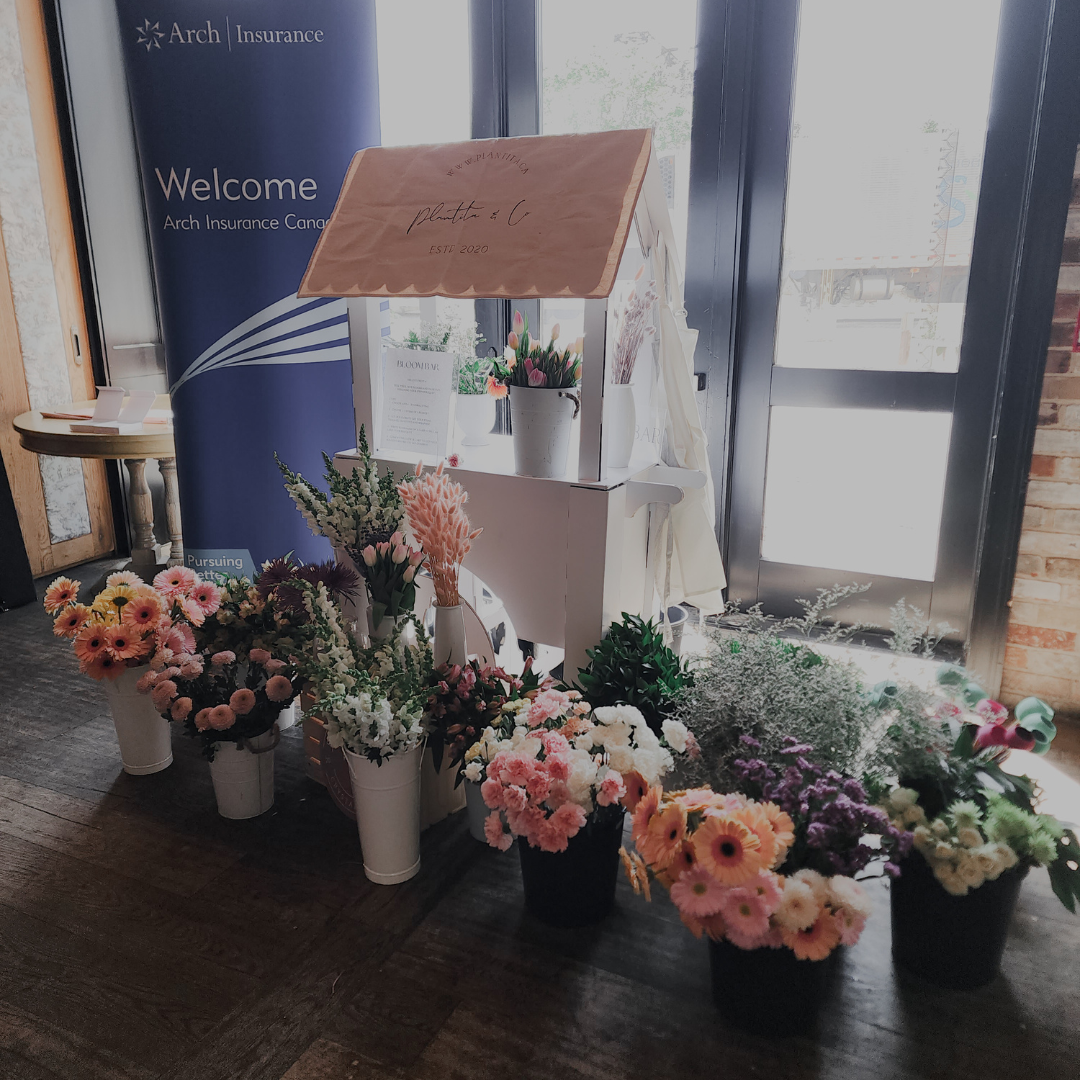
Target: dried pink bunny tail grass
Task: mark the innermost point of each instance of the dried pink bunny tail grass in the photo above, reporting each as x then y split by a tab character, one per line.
439	524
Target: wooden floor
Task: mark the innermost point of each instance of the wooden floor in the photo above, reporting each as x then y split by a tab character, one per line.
143	936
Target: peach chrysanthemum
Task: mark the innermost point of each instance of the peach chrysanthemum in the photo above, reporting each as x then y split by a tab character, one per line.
278	688
89	641
435	505
816	942
727	849
71	620
221	717
181	708
124	642
242	701
202	720
60	593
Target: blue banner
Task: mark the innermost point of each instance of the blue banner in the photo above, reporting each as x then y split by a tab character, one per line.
247	113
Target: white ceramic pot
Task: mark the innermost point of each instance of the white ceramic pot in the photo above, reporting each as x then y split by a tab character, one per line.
449	645
477	809
387	799
676	619
438	796
475	415
243	775
289	716
385	627
143	734
620	425
541	421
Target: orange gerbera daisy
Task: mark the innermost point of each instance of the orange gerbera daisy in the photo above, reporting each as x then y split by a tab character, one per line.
89	642
105	666
60	593
144	610
684	859
71	620
757	821
124	642
646	807
728	849
816	942
663	836
782	825
636	787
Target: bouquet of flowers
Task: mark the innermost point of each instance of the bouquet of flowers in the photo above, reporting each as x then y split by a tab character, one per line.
372	700
437	519
464	702
208	695
719	856
130	623
563	766
528	362
390	570
361	509
941	777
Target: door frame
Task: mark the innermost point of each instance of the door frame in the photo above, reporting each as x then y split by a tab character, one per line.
742	104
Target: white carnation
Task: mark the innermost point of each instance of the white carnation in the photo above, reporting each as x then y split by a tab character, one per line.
676	733
474	771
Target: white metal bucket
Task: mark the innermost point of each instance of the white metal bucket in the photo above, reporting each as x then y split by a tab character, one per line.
541	420
387	799
143	734
477	810
620	425
243	776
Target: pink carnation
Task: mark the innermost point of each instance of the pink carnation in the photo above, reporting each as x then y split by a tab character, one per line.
558	768
496	835
492	792
538	786
612	789
514	797
242	702
220	659
278	688
181	708
258	656
516	768
554	743
547	704
202	720
222	717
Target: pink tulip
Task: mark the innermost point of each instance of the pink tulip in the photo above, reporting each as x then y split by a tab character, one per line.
512	340
555	332
579	344
369	555
410	573
401	553
396	539
537	378
519	324
416	558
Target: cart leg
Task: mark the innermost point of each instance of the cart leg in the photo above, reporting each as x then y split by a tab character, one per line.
172	510
143	555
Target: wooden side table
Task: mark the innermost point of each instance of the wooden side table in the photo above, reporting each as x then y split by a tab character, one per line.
55	437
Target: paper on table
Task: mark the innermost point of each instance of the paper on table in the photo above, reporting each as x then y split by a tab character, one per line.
416	401
546	215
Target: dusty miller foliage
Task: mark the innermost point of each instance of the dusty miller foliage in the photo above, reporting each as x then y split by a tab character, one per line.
763	677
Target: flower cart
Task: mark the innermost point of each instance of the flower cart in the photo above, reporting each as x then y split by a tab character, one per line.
528	218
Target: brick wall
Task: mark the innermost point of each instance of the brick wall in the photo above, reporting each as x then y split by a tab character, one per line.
1043	655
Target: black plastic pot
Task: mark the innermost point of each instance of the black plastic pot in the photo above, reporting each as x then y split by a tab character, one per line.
768	991
574	887
952	941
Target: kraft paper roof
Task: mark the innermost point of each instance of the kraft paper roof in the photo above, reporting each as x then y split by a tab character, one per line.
541	216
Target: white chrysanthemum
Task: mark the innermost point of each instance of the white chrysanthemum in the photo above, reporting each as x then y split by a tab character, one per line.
798	906
847	893
676	734
621	758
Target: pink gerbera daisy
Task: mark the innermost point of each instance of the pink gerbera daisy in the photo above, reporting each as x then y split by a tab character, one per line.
207	596
850	924
123	577
744	913
60	593
175	582
144	610
697	893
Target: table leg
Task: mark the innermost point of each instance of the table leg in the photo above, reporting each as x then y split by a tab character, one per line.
172	510
143	555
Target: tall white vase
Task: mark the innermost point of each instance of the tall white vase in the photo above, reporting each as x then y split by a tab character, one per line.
541	421
143	734
620	425
243	775
438	795
449	645
475	415
387	799
478	810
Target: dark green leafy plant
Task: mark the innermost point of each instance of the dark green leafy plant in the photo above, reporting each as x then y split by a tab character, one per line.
633	666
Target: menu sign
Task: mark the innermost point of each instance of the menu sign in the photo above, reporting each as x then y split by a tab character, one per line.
541	216
416	401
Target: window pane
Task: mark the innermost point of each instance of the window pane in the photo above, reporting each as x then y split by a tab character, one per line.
625	64
856	489
888	129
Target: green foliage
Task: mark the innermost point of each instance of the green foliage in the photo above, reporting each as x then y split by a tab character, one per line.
633	666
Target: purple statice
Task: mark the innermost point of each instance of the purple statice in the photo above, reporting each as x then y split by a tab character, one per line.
831	812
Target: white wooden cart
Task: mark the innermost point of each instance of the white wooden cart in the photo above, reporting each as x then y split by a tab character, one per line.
566	556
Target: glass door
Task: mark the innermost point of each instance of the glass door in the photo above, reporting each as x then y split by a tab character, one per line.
858	251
